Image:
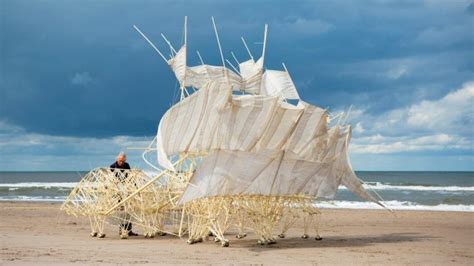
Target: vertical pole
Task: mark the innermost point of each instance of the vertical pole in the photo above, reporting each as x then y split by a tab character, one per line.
218	42
220	48
185	47
185	30
264	42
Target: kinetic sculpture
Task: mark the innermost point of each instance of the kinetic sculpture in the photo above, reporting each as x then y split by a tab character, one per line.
239	149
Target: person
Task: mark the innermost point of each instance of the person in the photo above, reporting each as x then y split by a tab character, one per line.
121	163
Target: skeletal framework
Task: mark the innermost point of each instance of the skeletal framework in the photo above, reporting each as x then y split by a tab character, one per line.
240	149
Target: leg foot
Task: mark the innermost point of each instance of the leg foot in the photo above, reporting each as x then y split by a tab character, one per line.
240	236
160	233
194	241
271	241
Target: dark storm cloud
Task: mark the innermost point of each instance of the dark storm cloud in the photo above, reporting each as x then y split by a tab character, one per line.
77	68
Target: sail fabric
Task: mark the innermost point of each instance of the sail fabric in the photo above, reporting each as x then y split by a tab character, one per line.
350	179
279	83
212	118
198	76
178	64
280	127
277	173
251	73
256	144
306	137
190	125
269	173
251	80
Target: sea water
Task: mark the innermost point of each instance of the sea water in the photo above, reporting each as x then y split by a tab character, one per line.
442	191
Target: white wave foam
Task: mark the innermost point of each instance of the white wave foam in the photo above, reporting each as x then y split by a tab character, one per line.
394	205
40	185
374	186
37	198
334	204
381	186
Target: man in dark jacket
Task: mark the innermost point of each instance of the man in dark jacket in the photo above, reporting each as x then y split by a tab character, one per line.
121	163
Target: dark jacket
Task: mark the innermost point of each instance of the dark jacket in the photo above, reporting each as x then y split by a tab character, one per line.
124	166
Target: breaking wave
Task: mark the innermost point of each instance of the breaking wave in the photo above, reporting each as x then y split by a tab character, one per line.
382	186
33	198
368	185
394	205
334	204
39	185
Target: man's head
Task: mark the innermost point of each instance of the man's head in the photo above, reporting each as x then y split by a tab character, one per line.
121	158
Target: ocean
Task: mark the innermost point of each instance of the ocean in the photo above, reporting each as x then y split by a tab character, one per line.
440	191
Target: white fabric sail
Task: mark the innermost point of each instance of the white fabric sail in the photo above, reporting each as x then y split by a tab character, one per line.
212	119
279	83
178	64
277	173
251	73
198	76
256	145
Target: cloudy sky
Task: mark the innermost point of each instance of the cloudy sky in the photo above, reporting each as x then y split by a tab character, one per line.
78	84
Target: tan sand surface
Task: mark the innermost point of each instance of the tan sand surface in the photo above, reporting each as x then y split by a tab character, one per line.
38	233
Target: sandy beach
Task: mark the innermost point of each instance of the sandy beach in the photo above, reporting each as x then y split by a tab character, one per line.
33	233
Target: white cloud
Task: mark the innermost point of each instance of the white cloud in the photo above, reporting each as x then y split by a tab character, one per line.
82	79
379	144
453	112
21	150
443	124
